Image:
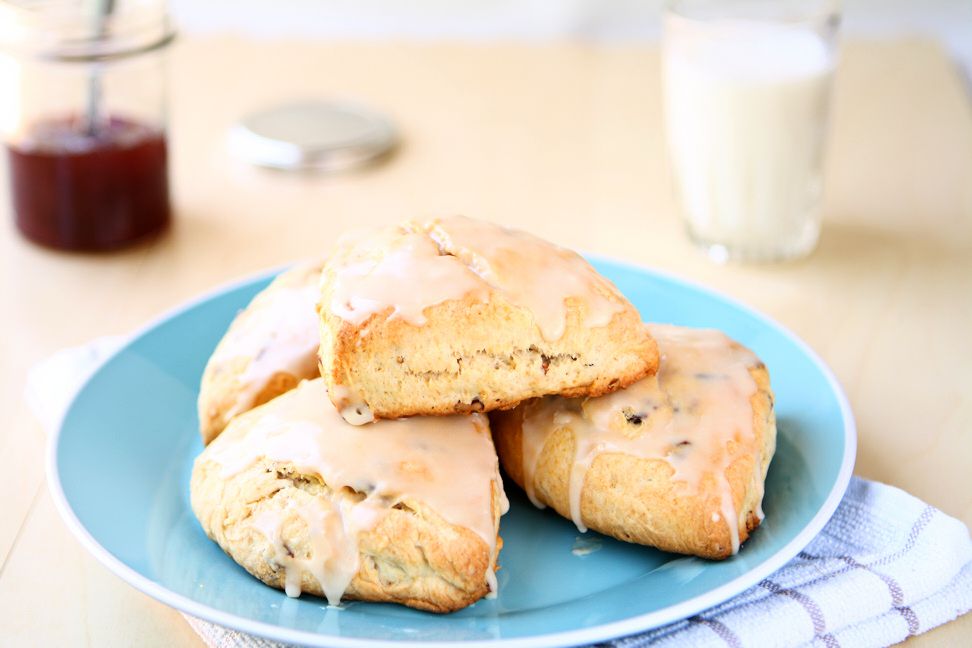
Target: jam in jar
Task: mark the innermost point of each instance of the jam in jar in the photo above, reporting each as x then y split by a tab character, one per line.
80	188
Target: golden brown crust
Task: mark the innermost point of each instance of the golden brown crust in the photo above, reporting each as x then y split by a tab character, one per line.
220	390
472	355
412	556
225	390
635	499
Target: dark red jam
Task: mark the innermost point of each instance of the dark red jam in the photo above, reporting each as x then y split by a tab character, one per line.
76	188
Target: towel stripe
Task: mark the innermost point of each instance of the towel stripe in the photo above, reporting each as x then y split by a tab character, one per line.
912	619
816	614
913	535
897	594
916	530
720	629
810	606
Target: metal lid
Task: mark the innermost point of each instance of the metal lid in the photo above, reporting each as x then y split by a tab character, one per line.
323	135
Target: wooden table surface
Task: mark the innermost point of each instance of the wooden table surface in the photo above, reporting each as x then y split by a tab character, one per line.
566	141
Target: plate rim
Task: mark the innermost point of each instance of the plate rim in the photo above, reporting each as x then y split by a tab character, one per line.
602	632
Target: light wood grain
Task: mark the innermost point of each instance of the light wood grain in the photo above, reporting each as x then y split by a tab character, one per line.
563	140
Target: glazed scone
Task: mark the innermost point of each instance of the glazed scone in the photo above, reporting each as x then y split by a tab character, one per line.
676	461
269	348
399	511
457	315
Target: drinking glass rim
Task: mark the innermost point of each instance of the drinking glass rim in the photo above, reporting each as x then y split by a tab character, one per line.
776	11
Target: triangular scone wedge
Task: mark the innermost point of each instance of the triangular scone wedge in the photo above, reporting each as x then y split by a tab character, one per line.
398	511
676	461
458	315
269	348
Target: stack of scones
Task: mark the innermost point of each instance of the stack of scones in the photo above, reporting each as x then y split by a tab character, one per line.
357	412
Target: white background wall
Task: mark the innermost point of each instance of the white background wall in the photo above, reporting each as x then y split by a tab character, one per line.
950	21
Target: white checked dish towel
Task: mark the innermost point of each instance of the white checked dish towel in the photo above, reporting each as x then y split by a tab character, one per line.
886	566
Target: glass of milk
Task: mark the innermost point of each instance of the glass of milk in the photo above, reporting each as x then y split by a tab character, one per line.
746	86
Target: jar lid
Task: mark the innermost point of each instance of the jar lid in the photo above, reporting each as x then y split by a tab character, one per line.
313	134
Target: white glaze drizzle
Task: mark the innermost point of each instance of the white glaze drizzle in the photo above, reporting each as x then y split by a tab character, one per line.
447	463
351	406
411	267
333	560
701	395
532	273
400	269
278	332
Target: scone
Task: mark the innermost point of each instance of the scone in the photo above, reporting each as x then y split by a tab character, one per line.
457	316
399	511
676	461
269	348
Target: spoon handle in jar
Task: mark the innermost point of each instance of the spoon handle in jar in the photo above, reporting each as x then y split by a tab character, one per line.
100	10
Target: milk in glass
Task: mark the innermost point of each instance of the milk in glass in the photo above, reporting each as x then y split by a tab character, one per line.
746	111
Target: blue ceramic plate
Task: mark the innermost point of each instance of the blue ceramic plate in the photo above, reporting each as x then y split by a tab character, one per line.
119	470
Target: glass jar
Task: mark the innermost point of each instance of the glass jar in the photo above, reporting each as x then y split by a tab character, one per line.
83	119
